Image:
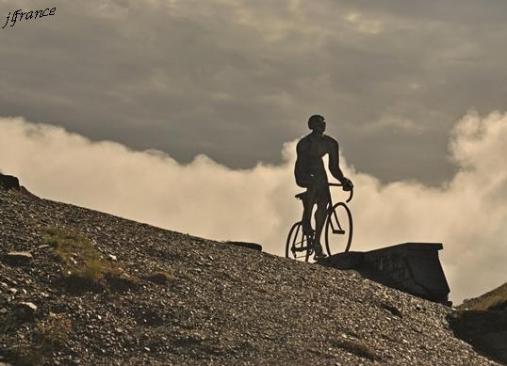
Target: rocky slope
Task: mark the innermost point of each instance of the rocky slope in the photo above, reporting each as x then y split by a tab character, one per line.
102	290
482	321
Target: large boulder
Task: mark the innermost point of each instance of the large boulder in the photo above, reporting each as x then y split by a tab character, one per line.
410	267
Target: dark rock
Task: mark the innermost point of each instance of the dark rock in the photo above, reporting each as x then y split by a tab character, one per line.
244	244
410	267
26	310
9	182
18	258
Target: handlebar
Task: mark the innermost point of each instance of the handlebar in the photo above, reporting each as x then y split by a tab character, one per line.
341	185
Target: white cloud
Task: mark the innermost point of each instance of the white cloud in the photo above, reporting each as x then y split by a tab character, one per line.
468	214
363	24
394	123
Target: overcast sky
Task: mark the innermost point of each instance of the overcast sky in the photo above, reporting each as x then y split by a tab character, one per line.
236	79
230	82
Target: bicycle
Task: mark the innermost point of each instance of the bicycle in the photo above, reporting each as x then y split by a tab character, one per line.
338	232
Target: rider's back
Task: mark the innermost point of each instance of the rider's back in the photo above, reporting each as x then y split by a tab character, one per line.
310	150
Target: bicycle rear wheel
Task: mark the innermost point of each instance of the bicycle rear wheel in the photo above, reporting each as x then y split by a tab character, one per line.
298	246
338	229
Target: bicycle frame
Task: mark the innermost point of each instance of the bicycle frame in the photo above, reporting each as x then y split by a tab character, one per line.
330	203
334	225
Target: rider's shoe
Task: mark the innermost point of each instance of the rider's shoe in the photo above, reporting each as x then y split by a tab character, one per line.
319	254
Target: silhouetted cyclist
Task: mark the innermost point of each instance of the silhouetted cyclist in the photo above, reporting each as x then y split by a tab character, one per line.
311	174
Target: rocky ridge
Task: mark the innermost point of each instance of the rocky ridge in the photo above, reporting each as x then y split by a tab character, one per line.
482	322
158	297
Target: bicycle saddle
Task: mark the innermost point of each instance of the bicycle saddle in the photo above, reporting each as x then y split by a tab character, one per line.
300	196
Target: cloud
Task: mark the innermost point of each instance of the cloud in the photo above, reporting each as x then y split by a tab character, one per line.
468	214
362	25
193	71
395	124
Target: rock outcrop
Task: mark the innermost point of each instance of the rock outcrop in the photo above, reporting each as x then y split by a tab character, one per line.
9	182
410	267
482	321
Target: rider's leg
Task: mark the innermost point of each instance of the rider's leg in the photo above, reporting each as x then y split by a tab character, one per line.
320	218
323	198
308	203
307	216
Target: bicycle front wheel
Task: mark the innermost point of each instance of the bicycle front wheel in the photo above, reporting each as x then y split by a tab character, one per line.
297	246
338	229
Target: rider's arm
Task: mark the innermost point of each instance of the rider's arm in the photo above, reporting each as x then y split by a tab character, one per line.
334	164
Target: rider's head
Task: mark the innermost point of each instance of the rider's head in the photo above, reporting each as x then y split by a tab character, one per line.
317	124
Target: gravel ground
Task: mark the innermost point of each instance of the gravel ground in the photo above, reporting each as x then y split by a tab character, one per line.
216	304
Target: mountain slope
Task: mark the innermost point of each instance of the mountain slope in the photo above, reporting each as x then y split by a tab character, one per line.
494	299
482	322
111	291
